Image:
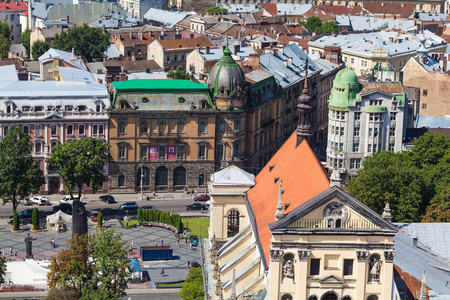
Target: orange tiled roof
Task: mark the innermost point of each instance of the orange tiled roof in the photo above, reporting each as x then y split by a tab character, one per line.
271	8
187	43
403	9
387	87
341	10
303	178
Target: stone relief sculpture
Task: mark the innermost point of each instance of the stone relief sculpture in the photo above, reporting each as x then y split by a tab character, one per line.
276	254
288	269
335	214
374	268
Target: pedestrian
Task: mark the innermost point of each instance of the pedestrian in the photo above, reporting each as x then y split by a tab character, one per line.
53	243
156	243
10	251
162	272
190	247
15	253
154	193
162	243
132	246
188	264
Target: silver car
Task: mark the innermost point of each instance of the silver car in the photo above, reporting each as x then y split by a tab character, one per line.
68	199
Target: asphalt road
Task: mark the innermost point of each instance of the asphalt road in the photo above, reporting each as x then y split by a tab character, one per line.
172	202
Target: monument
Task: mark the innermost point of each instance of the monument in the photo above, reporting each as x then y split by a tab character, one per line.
29	245
79	219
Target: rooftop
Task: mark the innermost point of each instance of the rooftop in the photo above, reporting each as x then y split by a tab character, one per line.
432	122
11	6
361	23
187	43
158	84
167	18
233	176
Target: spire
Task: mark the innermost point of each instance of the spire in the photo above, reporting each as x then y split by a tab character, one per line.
233	286
387	214
279	213
304	126
423	289
305	87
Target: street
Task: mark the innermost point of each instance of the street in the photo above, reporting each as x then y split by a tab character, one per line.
172	202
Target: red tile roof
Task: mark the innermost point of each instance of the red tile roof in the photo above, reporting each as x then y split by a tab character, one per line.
271	8
403	9
187	43
10	6
341	10
387	87
412	284
303	178
297	29
285	40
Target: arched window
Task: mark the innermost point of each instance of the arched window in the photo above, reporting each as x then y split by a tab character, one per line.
122	127
144	175
329	296
330	223
53	145
8	109
144	126
313	297
38	147
162	128
233	223
97	108
372	297
338	223
202	127
180	127
287	297
161	176
346	298
179	176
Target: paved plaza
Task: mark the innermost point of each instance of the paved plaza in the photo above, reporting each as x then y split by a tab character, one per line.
175	270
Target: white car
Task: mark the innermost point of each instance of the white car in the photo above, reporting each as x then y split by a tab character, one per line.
24	201
39	200
68	200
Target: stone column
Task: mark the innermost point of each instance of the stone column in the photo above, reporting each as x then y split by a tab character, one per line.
302	272
275	276
387	273
361	274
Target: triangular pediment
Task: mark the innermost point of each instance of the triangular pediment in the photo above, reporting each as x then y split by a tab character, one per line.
331	279
332	210
54	116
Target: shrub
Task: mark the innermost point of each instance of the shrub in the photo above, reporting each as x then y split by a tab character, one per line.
100	219
35	218
139	214
16	220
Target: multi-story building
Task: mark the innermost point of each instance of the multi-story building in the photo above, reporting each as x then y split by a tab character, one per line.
132	46
10	13
364	118
387	49
430	74
55	112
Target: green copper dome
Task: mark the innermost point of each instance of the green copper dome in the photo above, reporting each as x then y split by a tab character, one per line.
345	88
226	75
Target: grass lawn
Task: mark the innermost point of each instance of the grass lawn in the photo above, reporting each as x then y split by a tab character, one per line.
131	223
198	226
179	284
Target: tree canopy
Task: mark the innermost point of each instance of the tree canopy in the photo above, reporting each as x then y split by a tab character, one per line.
329	27
19	176
91	266
193	288
415	182
25	39
314	24
5	36
213	10
87	41
80	162
177	74
39	48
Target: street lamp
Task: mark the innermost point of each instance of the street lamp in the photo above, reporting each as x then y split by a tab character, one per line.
142	180
198	180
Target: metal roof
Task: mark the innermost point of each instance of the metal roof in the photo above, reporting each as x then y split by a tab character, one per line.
242	8
432	122
8	73
361	23
51	89
158	84
169	19
233	176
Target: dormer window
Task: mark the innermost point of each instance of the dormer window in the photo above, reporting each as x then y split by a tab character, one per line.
81	108
25	108
8	109
98	108
68	107
38	108
123	104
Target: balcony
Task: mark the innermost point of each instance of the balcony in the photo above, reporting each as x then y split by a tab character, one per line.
322	224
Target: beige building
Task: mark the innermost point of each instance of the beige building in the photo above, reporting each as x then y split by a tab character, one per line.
287	234
362	52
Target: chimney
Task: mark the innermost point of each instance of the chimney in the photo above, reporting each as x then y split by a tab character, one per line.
208	49
291	60
285	62
131	35
414	242
73	59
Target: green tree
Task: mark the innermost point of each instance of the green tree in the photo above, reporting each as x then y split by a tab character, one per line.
430	149
92	267
19	176
439	208
35	218
177	74
87	41
2	269
213	10
139	214
16	220
5	42
100	219
193	288
329	27
39	48
313	24
25	39
80	162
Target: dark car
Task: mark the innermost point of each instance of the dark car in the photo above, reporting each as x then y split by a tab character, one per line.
65	208
196	206
107	199
26	213
130	205
195	265
151	207
202	198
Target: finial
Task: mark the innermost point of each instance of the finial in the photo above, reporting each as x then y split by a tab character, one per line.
387	213
335	179
228	30
305	88
233	286
423	289
279	213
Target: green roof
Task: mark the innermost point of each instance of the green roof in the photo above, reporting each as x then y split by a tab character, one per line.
158	84
376	109
344	91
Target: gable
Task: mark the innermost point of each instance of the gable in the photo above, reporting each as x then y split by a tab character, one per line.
54	117
321	214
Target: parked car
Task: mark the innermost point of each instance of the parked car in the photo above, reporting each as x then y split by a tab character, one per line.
194	240
151	207
196	206
25	201
195	265
130	205
68	199
39	200
107	199
26	213
202	198
65	208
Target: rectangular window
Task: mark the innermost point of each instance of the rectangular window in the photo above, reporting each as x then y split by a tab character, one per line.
424	106
144	152
348	267
391	146
352	60
26	129
357	115
94	130
122	152
355	147
25	108
37	130
69	129
180	152
175	58
68	107
53	130
100	129
425	92
80	129
237	125
356	131
352	163
358	163
375	132
12	19
332	129
342	130
314	267
391	131
393	116
370	132
38	108
168	58
369	148
201	152
162	152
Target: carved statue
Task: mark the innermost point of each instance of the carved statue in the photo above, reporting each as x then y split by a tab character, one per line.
375	266
276	254
288	269
29	247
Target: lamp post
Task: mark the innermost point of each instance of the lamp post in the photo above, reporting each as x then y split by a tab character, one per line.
142	180
198	180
